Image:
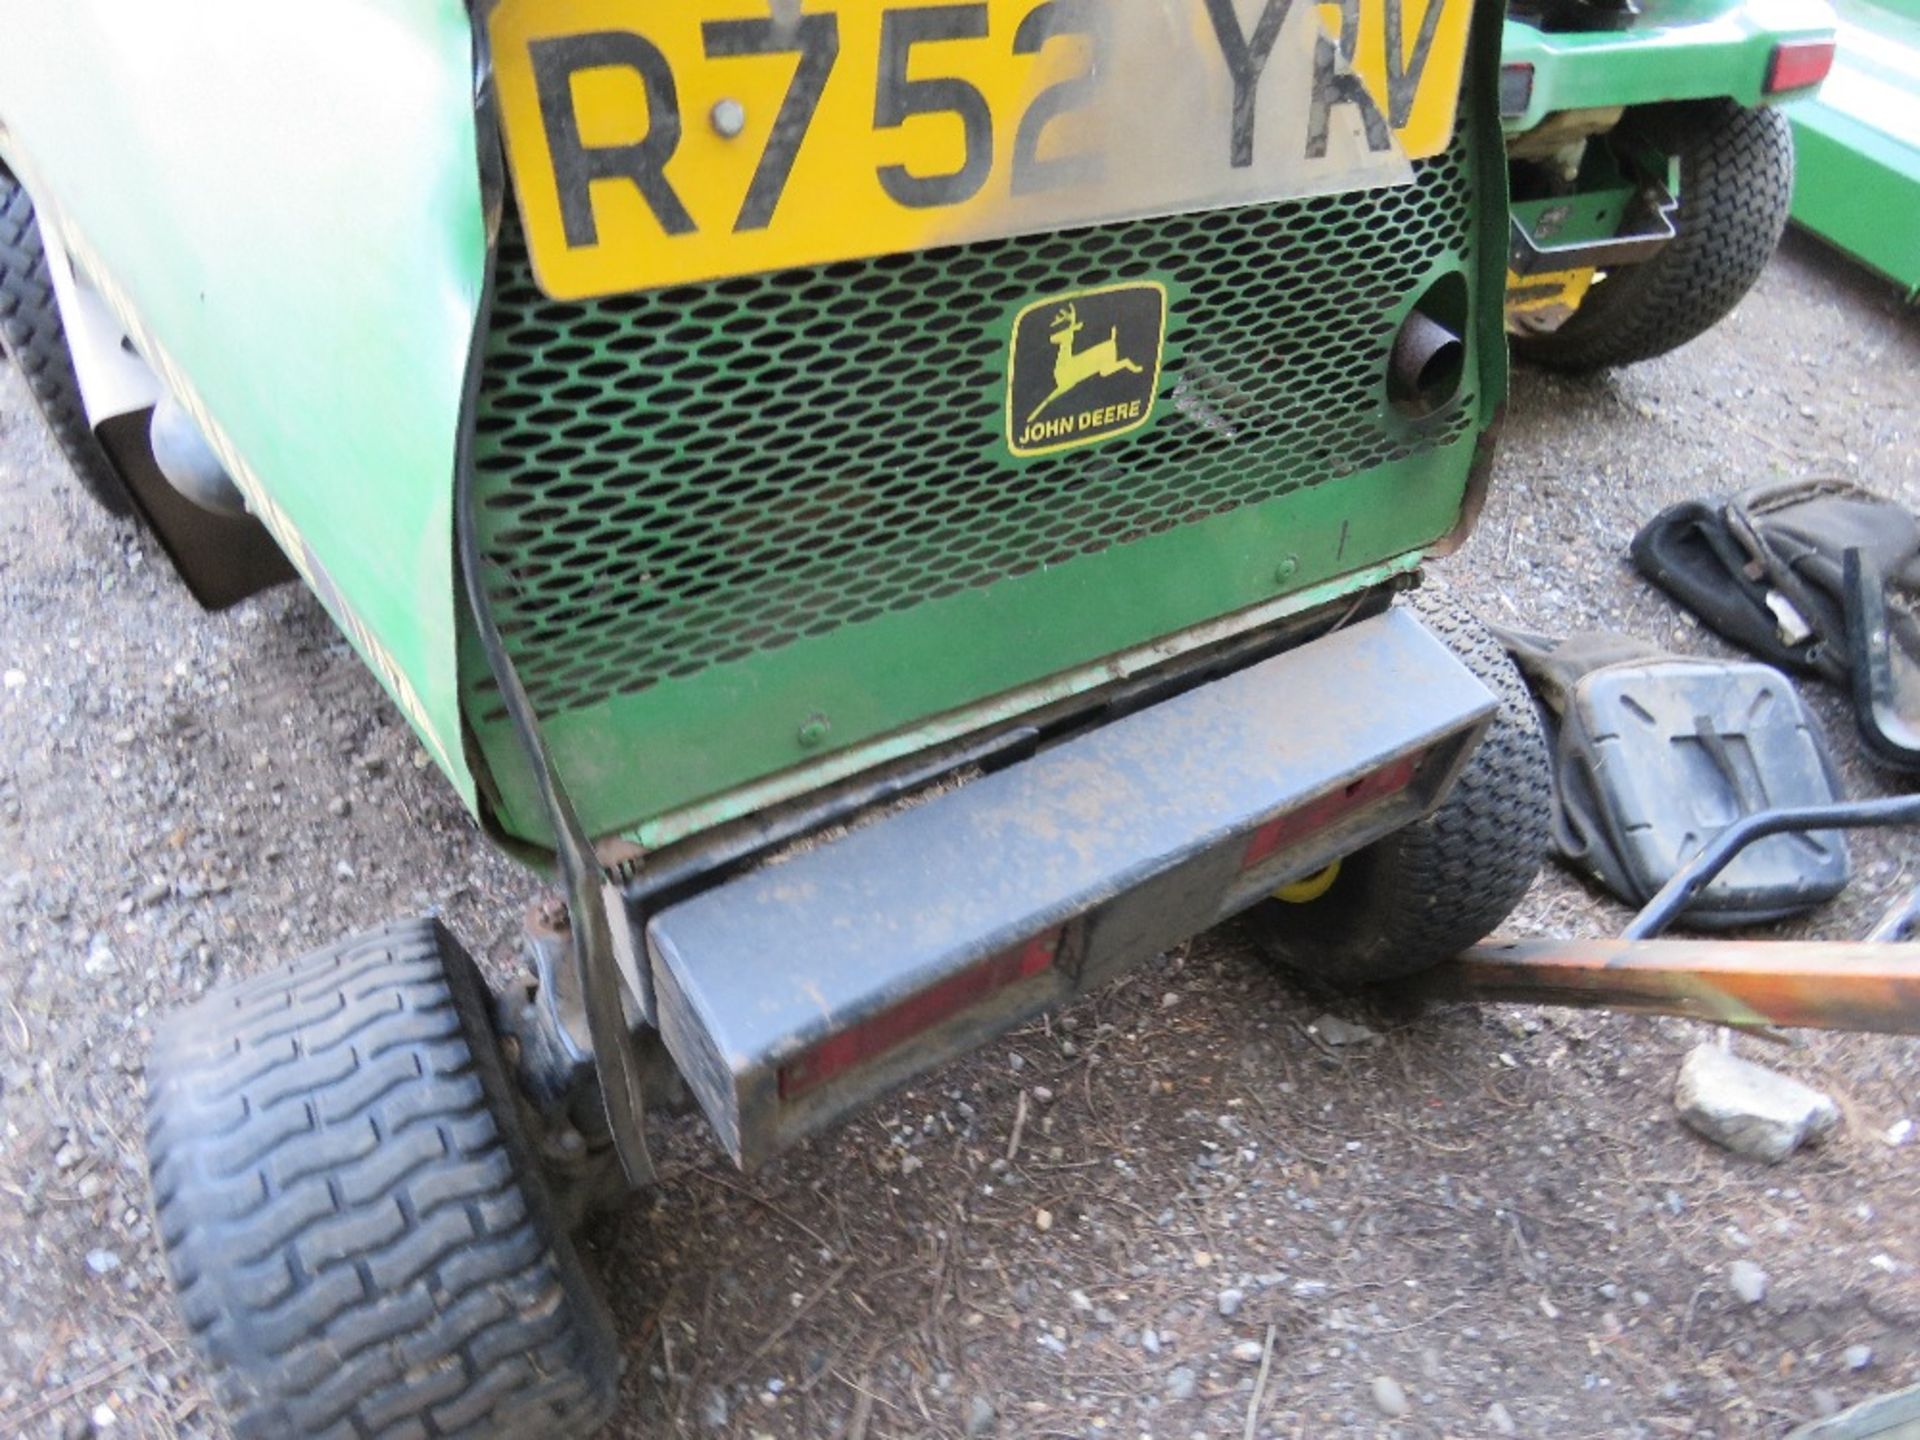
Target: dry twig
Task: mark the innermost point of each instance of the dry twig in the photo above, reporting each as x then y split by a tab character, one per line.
779	1332
1259	1387
17	1423
1019	1126
771	1208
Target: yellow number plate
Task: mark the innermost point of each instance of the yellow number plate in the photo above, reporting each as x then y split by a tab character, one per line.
655	142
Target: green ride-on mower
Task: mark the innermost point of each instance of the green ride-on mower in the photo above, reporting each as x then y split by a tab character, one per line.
1856	144
904	509
1651	171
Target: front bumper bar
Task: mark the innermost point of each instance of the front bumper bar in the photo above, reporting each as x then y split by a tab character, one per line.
930	931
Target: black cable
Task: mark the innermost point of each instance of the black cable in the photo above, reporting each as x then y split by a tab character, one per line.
590	935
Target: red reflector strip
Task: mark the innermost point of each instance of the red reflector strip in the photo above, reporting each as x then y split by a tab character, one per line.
893	1027
1797	64
1289	829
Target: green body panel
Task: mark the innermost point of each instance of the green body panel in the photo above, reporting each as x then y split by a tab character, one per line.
283	204
1676	50
1857	144
865	681
286	211
794	534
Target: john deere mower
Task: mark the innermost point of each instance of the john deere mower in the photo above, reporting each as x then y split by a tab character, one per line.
904	510
1651	170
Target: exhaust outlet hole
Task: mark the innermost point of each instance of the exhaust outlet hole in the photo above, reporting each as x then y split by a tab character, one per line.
1428	365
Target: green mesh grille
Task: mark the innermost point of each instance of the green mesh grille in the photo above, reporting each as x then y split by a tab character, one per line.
687	477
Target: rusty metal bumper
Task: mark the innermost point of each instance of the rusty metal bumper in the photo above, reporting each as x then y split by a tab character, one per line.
936	928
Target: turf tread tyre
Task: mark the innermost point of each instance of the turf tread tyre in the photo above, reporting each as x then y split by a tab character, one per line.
1421	895
31	334
359	1239
1736	184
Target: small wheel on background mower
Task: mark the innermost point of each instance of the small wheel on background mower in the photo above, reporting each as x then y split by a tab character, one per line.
1422	895
1736	183
359	1237
30	333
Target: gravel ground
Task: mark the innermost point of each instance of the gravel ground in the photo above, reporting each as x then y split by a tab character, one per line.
1483	1221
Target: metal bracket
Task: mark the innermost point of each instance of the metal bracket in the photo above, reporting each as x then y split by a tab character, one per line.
1646	231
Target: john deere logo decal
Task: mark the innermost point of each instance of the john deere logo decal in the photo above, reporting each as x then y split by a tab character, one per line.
1084	367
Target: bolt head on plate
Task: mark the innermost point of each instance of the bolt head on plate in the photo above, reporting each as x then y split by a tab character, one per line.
729	118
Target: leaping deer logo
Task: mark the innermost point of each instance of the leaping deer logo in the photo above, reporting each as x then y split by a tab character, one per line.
1073	368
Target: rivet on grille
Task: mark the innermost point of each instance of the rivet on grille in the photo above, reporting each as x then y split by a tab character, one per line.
813	733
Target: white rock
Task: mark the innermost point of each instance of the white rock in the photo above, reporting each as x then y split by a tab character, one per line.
1748	1108
102	1262
1859	1356
1748	1280
1229	1302
1899	1132
1500	1421
1335	1031
1389	1397
982	1418
1248	1352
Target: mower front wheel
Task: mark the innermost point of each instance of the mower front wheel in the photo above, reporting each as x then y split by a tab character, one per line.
359	1236
1422	895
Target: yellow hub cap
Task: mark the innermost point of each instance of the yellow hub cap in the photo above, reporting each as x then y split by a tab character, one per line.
1309	888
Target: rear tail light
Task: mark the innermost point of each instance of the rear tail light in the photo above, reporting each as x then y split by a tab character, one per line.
892	1028
1796	64
1297	825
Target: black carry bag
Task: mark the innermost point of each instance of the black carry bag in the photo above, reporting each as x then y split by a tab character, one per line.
1656	754
1819	576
